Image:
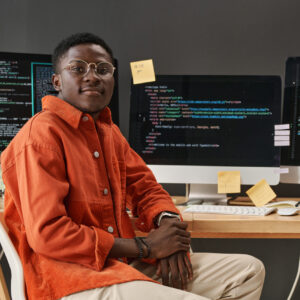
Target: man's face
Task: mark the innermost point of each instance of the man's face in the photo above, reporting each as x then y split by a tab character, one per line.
89	93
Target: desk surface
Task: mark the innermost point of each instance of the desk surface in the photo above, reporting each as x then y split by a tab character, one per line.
272	226
233	226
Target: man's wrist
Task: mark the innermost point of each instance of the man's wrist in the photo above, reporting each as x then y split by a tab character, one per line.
144	249
139	247
166	214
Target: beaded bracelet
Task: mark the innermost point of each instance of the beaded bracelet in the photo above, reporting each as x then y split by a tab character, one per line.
148	247
140	247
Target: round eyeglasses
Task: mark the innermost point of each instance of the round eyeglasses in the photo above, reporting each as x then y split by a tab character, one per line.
81	68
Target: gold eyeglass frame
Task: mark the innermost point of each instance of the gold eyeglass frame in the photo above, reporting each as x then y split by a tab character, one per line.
67	67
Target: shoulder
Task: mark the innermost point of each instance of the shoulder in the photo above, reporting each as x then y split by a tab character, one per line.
42	131
45	128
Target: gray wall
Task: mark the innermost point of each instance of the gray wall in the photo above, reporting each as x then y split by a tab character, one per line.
251	37
183	37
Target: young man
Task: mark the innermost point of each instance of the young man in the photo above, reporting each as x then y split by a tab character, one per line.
70	175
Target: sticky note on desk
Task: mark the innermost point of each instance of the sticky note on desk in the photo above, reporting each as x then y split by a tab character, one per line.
261	193
142	71
229	182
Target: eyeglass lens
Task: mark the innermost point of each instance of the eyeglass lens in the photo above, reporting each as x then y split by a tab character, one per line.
103	69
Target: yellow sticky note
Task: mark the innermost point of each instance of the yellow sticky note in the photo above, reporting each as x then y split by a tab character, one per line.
261	193
229	182
142	71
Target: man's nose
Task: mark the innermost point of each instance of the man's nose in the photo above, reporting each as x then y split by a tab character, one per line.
91	73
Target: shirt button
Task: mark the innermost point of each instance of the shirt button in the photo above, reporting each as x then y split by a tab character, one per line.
96	154
85	118
110	229
105	191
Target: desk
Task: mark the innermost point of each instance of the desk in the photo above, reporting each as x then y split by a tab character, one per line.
272	226
233	226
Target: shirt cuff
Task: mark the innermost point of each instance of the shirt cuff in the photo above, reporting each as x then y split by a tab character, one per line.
166	214
104	243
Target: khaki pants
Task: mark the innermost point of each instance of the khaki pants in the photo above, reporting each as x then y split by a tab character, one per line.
216	276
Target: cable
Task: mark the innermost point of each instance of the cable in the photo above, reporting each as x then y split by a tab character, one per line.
295	282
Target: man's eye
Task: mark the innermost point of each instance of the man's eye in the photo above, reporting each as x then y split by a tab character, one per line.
103	71
77	69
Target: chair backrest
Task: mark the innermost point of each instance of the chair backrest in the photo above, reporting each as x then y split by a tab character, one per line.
17	277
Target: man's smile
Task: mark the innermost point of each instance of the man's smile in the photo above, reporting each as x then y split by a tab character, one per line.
92	91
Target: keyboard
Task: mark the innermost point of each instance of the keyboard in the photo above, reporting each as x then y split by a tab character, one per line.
230	210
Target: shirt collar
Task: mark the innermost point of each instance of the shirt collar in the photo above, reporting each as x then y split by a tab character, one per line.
69	113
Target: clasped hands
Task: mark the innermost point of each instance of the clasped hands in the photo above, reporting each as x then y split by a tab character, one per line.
169	244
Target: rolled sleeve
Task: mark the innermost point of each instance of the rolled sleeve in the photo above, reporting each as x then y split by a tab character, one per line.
104	243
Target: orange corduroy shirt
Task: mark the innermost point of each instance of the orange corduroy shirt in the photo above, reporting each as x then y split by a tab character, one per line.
68	181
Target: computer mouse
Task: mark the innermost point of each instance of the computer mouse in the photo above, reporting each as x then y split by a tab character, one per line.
288	211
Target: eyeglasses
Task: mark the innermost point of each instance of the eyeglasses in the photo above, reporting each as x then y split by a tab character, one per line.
81	68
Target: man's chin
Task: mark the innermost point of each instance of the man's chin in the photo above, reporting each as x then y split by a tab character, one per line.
92	111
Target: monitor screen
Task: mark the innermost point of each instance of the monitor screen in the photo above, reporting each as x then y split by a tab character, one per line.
17	84
206	124
24	80
41	84
290	156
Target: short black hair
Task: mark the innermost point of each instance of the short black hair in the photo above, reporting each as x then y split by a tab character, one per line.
74	40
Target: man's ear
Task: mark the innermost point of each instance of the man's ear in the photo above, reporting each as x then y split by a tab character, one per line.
56	81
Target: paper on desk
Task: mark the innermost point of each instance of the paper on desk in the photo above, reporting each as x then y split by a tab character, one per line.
281	171
142	71
282	126
282	132
281	143
261	193
229	182
281	137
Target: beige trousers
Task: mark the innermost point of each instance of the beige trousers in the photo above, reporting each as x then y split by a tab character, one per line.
216	276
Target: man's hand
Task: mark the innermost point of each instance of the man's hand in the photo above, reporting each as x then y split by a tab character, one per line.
179	267
169	238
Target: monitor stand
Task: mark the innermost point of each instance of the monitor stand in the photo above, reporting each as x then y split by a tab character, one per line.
204	194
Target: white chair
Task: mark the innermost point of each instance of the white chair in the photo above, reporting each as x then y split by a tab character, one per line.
17	276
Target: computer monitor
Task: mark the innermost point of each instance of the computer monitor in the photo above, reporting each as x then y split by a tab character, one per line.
290	156
188	128
17	85
24	80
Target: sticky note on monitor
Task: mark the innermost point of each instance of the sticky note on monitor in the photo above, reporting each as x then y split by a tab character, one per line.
229	182
142	71
261	193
